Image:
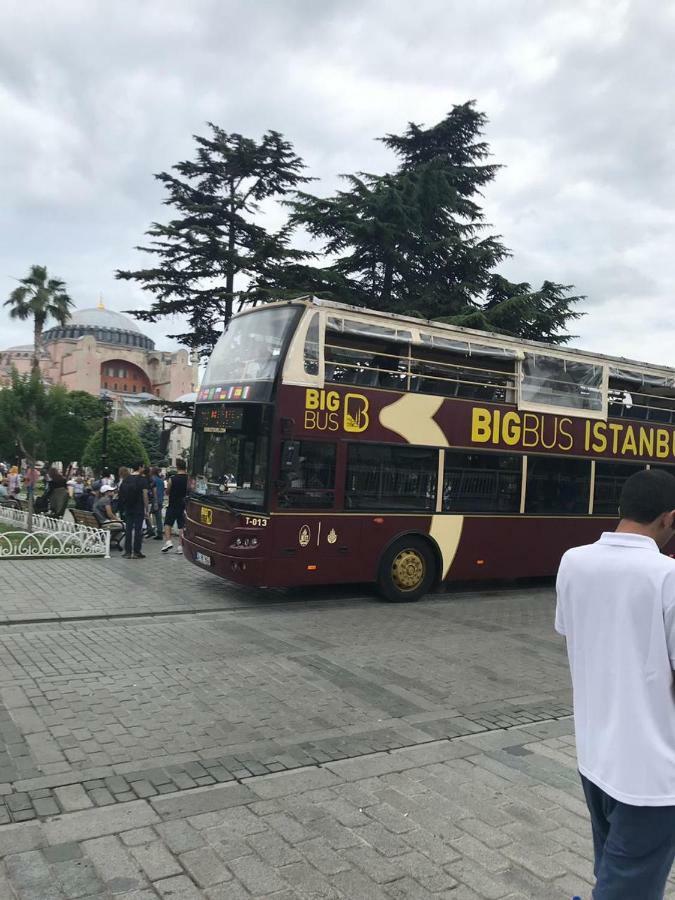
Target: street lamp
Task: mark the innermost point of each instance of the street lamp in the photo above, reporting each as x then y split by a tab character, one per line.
107	401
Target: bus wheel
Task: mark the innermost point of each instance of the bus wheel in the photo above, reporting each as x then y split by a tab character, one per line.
407	570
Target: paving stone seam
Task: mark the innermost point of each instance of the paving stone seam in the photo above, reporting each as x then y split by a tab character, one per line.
161	613
43	802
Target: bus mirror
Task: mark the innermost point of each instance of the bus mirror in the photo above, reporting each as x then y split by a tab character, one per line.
164	439
290	455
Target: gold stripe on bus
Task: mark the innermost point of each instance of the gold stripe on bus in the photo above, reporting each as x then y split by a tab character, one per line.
447	531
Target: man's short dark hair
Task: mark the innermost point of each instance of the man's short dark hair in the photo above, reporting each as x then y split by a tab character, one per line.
181	464
646	495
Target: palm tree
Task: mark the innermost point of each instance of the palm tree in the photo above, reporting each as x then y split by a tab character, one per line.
39	297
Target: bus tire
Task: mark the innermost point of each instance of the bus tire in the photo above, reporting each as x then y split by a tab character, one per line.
408	570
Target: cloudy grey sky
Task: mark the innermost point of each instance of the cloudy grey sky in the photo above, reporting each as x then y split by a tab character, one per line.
96	96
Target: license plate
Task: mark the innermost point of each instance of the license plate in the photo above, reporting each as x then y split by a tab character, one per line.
203	559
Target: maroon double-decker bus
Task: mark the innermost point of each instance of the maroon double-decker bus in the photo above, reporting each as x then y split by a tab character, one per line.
333	444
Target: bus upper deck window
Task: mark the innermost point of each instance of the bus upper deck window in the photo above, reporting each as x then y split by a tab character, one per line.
311	353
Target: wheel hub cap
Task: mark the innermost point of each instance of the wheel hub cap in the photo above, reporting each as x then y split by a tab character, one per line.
408	570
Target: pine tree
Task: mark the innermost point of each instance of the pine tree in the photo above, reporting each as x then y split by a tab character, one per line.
213	253
415	241
515	309
411	241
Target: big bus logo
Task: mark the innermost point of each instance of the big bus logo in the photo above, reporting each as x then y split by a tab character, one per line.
206	515
327	411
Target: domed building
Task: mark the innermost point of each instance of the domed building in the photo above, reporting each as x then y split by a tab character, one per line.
99	350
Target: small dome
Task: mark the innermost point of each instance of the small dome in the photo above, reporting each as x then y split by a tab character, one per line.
97	317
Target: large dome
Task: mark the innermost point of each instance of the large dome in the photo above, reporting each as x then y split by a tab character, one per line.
105	325
98	317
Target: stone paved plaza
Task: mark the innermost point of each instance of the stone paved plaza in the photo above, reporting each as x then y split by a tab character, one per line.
164	734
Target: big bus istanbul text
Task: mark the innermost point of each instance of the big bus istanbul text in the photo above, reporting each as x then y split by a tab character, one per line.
537	431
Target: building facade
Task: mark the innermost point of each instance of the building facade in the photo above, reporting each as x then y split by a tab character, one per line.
102	351
99	350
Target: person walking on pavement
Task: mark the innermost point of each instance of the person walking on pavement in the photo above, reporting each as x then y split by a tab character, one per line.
157	500
133	504
175	510
149	529
616	608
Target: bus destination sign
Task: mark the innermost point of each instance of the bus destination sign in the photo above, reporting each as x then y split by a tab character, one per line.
219	418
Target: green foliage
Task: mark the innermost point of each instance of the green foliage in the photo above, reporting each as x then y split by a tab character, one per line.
27	411
124	448
213	237
46	423
70	430
85	406
415	241
516	309
149	433
38	297
412	241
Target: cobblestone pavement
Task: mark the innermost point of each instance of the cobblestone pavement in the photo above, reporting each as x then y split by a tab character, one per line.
317	744
160	583
490	816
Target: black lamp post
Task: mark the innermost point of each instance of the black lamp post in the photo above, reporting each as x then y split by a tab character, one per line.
107	410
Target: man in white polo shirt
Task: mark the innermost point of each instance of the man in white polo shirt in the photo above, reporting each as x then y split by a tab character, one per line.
616	607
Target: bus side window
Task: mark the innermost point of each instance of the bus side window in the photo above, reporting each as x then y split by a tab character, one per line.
609	479
366	355
481	482
391	477
557	486
311	484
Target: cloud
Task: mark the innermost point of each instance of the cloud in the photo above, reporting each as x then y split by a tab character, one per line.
96	97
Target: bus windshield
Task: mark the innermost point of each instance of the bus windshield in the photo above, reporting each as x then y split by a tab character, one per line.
230	453
250	348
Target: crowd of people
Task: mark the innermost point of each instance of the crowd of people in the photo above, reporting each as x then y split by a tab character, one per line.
142	502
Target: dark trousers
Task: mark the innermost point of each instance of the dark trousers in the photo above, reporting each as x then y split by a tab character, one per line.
157	515
634	846
134	525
